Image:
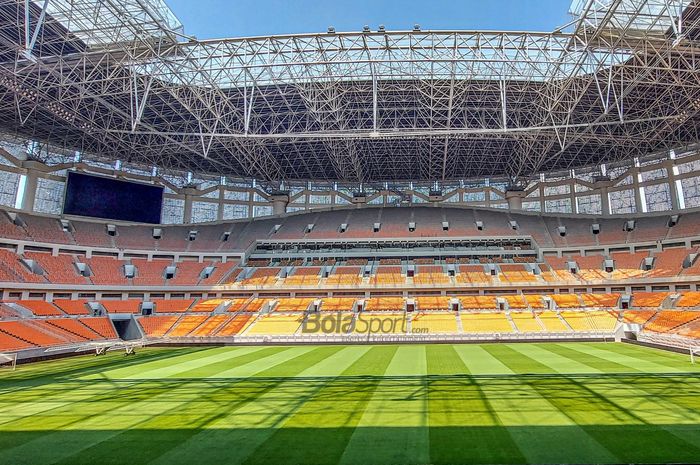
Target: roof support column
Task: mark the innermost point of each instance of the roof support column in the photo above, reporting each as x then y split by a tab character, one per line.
515	199
280	200
31	181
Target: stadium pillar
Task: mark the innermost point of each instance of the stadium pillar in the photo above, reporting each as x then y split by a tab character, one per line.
515	199
33	168
602	185
280	200
190	193
675	203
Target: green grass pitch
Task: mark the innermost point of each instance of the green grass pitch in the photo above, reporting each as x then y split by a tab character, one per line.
388	404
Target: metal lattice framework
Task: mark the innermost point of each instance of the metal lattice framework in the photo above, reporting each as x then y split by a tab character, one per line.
120	80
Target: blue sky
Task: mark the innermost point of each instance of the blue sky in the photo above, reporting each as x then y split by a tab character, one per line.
243	18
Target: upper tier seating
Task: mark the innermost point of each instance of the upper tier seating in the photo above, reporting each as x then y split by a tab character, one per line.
48	230
149	273
92	234
12	269
628	265
516	274
590	268
472	274
107	271
262	277
188	273
172	305
304	276
344	276
431	274
58	270
534	301
388	276
668	262
394	223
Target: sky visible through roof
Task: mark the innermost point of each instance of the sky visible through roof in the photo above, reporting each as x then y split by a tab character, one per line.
207	19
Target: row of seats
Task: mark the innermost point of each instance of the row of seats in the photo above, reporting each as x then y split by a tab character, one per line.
63	269
388	323
360	223
639	300
31	333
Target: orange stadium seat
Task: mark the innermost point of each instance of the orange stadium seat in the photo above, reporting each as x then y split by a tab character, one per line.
122	306
236	325
172	305
689	299
72	307
157	325
107	270
337	304
600	300
478	302
384	304
186	324
60	269
648	299
40	307
565	300
667	320
211	326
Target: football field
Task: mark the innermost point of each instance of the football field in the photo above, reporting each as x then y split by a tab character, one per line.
388	404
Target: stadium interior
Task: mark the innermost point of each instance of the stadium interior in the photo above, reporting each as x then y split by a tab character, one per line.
504	189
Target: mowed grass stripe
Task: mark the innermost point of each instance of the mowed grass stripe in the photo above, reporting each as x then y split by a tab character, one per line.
236	435
319	431
669	408
537	425
463	425
106	393
595	410
395	414
554	403
196	414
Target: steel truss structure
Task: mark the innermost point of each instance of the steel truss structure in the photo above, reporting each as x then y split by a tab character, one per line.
120	80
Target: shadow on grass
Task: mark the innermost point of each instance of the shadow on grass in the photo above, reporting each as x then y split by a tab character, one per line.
384	445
